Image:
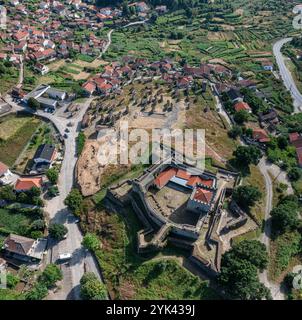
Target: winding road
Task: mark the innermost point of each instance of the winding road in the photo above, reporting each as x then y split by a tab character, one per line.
286	74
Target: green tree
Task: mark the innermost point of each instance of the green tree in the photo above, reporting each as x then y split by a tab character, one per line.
38	225
252	250
92	288
7	193
38	292
33	103
12	280
52	175
246	196
241	116
57	231
239	271
294	174
91	242
235	132
246	155
53	191
74	201
285	216
50	275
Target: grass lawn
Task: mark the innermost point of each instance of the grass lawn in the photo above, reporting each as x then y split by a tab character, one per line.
85	57
283	251
14	222
7	294
114	175
16	139
256	179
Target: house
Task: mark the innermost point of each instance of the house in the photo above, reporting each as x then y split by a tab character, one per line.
5	174
41	68
25	184
24	249
161	9
21	35
296	140
234	95
269	119
246	83
142	7
21	46
261	136
47	103
240	106
45	153
184	82
56	94
267	65
89	87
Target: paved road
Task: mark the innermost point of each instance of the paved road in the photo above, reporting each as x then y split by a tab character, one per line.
58	212
264	167
286	75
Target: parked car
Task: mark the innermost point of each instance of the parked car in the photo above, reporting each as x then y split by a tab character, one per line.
64	257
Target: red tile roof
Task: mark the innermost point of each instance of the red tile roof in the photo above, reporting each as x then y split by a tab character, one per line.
242	106
164	177
203	195
28	183
293	136
183	174
3	168
260	135
299	156
194	180
89	86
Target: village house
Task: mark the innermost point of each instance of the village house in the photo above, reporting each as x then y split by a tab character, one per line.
26	184
296	140
234	95
261	136
5	174
23	248
41	68
240	106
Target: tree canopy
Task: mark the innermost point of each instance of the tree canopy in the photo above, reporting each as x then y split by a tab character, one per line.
239	271
92	288
246	196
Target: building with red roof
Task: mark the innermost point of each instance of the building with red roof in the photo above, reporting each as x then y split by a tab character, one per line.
239	106
25	184
261	136
296	140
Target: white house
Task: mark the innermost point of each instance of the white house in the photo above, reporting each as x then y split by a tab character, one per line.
5	174
41	68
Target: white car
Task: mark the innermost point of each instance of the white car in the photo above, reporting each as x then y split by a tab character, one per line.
65	256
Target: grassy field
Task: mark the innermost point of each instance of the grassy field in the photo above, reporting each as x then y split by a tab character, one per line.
16	134
14	222
255	178
283	252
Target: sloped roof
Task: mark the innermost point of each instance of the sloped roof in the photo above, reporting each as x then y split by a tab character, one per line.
45	151
18	244
3	168
164	177
203	195
194	180
28	183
